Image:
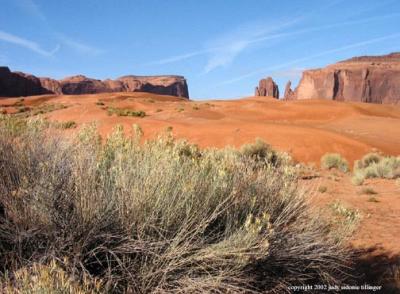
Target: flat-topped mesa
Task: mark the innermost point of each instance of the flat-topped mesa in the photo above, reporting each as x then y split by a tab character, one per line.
372	79
165	85
19	84
267	87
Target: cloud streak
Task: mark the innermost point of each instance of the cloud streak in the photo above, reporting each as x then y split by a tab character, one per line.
295	61
31	8
78	46
27	44
225	49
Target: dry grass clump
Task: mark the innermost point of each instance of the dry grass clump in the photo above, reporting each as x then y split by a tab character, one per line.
158	217
334	160
374	165
348	216
49	279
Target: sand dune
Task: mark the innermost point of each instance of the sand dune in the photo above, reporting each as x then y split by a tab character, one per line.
307	129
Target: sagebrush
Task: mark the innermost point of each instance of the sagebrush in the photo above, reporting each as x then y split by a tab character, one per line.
159	217
334	160
374	165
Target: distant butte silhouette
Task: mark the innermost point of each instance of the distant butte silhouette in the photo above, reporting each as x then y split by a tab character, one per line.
16	84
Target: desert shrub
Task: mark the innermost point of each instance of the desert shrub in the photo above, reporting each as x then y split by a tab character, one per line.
22	109
70	124
334	160
349	216
154	217
259	150
373	199
12	126
376	166
49	278
25	112
322	189
357	178
100	103
125	112
368	191
367	160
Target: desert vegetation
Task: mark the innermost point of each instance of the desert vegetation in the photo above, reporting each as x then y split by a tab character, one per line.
125	112
157	217
70	124
334	160
375	165
322	189
368	191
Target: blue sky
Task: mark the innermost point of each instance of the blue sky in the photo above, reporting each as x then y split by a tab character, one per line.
222	47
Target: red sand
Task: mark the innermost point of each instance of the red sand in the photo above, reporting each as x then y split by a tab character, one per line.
307	129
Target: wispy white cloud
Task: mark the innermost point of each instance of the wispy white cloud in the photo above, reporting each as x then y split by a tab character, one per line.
180	57
226	48
78	47
34	10
295	61
226	54
31	8
28	44
223	50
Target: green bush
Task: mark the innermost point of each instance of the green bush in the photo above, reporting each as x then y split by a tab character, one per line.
334	160
376	166
160	217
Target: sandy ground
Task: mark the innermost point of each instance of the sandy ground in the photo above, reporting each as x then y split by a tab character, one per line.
378	225
306	129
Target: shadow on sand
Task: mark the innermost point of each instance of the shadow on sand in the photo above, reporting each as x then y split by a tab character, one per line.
376	267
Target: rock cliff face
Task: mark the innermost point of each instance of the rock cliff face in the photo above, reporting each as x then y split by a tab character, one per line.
267	87
14	84
19	84
289	94
373	79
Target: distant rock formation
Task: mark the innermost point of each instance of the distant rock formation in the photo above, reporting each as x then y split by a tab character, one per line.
14	84
267	87
372	79
289	94
19	84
